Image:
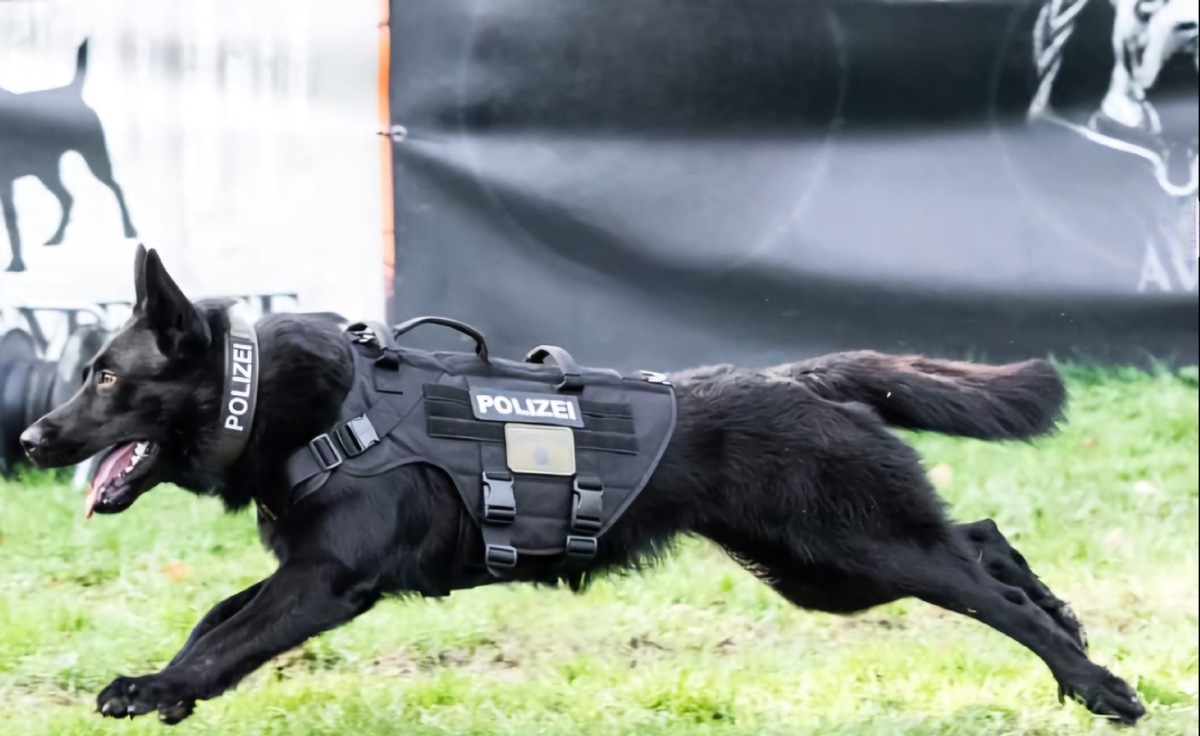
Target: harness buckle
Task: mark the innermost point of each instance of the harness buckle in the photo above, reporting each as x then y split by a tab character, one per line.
326	452
500	556
584	547
499	502
587	511
356	436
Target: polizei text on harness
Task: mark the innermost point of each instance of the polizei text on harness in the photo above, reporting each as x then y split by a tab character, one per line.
522	406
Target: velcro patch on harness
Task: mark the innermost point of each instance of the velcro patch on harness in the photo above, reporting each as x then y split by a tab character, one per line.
540	450
507	406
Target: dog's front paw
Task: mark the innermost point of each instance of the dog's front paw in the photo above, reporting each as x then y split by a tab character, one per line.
127	697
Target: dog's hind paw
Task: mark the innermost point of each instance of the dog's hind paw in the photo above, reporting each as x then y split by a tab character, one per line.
16	266
1110	697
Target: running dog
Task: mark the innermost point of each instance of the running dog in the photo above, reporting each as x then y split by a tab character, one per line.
792	470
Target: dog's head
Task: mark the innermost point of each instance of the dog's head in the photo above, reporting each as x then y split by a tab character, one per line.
149	400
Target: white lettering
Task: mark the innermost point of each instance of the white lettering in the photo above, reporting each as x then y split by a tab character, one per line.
241	372
1166	266
232	422
238	407
1153	272
525	405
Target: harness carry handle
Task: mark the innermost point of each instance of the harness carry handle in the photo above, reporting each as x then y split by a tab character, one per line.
572	380
382	333
481	348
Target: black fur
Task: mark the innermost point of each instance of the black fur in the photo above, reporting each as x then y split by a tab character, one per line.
792	470
36	129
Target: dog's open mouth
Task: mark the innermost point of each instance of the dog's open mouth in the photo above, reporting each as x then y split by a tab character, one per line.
120	477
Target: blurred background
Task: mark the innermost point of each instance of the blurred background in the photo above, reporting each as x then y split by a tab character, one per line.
649	183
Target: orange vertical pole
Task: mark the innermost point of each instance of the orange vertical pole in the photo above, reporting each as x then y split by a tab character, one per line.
383	77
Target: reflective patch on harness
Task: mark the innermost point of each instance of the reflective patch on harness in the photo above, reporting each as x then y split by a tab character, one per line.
506	406
540	450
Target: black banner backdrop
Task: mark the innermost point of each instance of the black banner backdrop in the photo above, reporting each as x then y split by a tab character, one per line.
661	183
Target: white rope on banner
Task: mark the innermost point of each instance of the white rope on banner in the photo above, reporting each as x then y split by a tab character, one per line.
1053	28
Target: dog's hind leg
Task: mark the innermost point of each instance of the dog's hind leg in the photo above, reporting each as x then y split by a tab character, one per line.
53	181
832	589
816	587
1005	564
952	577
96	157
947	576
15	265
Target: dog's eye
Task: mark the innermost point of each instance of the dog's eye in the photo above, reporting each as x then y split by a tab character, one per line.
106	378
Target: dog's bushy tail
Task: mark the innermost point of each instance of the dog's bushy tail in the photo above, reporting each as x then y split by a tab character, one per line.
989	402
81	62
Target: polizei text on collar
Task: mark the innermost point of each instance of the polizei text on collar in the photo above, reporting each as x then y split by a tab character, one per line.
238	384
521	406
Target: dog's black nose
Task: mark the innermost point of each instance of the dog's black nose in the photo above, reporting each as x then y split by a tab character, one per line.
34	438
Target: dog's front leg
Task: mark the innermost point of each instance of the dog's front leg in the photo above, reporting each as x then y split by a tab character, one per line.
219	614
301	600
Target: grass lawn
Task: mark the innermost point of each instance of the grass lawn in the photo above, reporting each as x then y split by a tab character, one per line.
1106	513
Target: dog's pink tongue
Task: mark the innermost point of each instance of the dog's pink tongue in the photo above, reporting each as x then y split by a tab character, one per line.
110	466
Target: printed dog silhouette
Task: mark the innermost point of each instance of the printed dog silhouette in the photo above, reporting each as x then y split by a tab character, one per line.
36	129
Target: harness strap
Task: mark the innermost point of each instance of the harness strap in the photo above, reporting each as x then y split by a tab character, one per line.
499	511
587	513
351	438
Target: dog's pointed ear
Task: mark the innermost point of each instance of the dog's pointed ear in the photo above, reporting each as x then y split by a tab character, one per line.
168	312
139	277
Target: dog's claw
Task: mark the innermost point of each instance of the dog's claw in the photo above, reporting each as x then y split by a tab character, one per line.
173	714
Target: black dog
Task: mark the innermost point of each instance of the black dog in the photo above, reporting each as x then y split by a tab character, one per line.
792	470
36	129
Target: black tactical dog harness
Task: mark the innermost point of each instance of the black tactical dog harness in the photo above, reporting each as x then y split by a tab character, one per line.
545	455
